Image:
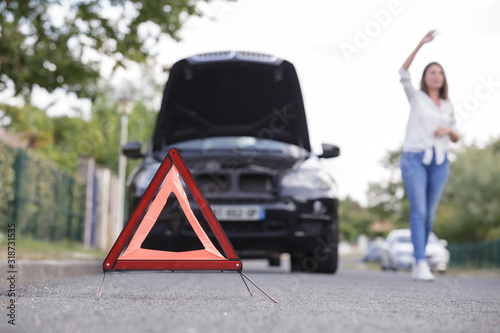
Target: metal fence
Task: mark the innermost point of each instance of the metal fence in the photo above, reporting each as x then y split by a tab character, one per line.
43	202
475	255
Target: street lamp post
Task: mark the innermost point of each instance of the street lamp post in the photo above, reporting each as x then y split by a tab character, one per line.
124	110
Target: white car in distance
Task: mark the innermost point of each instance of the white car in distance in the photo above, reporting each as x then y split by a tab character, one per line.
398	252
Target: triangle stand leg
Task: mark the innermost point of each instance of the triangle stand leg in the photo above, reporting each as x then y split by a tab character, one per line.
102	285
246	277
246	285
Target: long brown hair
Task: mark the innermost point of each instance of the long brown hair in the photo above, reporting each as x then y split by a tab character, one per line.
443	92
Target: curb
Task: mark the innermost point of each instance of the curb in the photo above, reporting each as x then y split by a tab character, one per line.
41	270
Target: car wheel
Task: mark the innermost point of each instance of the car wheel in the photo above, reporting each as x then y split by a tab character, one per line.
325	262
330	262
296	262
322	259
275	261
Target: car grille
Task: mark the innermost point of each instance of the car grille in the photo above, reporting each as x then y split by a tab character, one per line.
215	183
232	227
256	183
212	183
243	227
240	200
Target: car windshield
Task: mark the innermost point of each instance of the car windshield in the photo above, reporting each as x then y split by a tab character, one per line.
403	239
241	144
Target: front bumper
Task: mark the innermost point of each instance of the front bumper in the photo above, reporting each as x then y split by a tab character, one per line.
403	262
289	226
438	263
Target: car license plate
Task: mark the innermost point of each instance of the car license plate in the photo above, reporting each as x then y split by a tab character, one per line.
239	213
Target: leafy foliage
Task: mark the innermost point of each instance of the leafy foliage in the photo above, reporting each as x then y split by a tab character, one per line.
354	219
387	199
63	139
44	202
61	44
7	178
30	121
470	207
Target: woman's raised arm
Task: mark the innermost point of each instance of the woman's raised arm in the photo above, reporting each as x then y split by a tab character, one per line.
427	38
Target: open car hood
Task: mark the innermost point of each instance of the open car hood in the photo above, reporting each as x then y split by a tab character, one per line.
232	94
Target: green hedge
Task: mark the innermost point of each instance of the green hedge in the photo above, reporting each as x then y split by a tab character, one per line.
7	177
43	202
475	255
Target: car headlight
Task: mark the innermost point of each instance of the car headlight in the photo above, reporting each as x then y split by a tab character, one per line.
309	179
440	256
143	178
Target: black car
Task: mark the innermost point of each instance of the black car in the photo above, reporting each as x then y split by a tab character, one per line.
239	122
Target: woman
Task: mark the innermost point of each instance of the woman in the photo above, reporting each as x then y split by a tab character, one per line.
424	162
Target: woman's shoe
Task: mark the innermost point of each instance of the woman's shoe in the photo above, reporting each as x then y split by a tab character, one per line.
422	272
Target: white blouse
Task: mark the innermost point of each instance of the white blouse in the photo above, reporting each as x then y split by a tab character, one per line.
425	117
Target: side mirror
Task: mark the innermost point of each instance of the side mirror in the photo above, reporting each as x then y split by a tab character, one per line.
329	151
133	150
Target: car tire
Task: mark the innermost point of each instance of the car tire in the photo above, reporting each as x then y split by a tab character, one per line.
330	262
322	259
327	263
296	262
275	261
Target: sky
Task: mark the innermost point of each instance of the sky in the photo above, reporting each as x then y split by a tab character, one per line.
347	55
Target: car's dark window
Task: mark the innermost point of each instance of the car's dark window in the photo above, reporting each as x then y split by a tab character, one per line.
403	239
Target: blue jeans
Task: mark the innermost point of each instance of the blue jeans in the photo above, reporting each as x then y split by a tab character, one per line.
424	185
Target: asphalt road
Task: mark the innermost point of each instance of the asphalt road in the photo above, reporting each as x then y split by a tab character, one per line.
353	300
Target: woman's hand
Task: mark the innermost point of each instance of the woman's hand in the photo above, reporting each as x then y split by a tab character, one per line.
428	37
442	131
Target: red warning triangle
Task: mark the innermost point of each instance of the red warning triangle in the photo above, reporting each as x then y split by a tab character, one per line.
127	254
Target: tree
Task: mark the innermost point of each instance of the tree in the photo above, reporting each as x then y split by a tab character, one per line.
354	219
30	122
61	44
470	206
386	199
63	139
